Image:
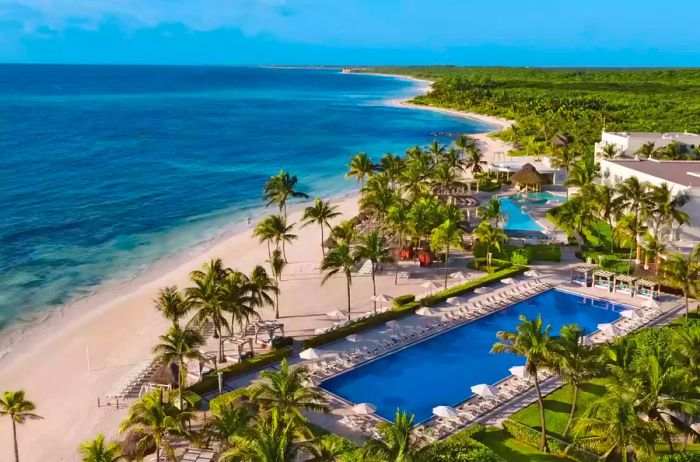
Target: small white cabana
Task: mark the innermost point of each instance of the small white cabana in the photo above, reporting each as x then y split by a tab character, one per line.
603	280
624	284
647	289
582	275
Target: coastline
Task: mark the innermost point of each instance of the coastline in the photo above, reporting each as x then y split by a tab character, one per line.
79	349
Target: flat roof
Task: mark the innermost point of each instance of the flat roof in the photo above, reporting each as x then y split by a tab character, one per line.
654	134
681	172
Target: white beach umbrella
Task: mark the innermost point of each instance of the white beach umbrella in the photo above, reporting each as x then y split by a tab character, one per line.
310	353
532	274
425	311
336	314
482	290
651	303
393	324
382	298
445	412
354	338
430	285
460	276
609	329
630	314
485	390
455	300
520	371
508	281
364	408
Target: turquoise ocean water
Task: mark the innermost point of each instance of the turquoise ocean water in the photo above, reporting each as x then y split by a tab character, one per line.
106	169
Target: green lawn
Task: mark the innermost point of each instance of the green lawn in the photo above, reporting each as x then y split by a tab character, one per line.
513	450
557	407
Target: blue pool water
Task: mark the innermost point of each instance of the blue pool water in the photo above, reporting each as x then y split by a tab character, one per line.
106	169
441	370
516	208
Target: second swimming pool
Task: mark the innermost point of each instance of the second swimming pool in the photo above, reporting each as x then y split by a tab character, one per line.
441	370
516	209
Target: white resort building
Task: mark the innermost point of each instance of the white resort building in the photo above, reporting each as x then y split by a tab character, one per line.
628	143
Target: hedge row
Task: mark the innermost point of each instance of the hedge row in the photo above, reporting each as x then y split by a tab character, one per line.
463	446
479	264
210	381
681	457
511	253
532	437
402	309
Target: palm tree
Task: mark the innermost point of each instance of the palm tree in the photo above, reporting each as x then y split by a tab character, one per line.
277	264
647	150
320	213
207	299
340	259
327	448
437	151
265	232
635	198
447	235
606	206
228	422
533	342
261	285
564	157
443	175
281	232
653	247
612	422
473	160
465	143
610	151
490	237
155	419
239	298
97	451
14	405
286	391
682	271
344	232
377	196
397	220
177	346
576	214
280	188
574	362
665	207
173	304
492	211
413	180
361	166
391	166
627	228
372	246
584	174
397	443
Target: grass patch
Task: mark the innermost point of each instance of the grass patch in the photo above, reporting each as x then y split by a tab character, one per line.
513	450
557	407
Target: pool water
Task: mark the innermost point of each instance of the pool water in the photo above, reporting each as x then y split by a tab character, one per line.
441	370
516	208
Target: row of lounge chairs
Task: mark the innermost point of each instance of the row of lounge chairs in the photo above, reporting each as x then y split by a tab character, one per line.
339	324
130	385
362	423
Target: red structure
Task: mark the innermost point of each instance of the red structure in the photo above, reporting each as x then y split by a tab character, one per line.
424	258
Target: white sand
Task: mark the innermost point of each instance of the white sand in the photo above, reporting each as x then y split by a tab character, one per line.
116	328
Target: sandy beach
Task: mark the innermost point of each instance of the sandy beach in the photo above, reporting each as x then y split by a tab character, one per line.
67	362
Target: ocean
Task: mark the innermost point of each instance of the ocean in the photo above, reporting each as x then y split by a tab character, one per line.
105	170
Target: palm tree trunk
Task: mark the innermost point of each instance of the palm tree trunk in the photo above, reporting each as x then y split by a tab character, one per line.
182	376
447	254
347	277
14	439
277	304
687	307
374	288
284	252
269	253
574	400
629	261
544	447
158	452
398	257
323	249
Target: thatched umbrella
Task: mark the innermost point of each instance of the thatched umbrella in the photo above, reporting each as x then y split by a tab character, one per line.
527	176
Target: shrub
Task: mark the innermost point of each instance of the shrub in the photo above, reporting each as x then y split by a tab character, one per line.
469	286
281	342
681	457
496	264
539	252
222	401
530	436
210	381
520	257
463	447
545	252
403	299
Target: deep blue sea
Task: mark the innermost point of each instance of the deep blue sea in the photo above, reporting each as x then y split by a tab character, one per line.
105	169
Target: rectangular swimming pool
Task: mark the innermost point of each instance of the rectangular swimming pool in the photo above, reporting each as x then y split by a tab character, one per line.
441	370
516	209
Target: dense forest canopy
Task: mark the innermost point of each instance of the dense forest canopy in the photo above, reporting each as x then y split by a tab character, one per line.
576	101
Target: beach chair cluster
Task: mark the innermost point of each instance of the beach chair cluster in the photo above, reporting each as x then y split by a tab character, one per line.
339	324
130	385
198	455
366	424
637	318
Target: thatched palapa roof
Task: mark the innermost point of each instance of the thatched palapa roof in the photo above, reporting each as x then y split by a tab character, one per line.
527	175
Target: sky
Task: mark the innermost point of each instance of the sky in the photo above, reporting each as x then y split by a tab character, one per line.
354	32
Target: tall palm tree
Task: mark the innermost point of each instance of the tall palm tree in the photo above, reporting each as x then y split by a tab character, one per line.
262	287
413	184
606	207
372	246
377	196
584	174
626	228
281	232
286	391
14	405
492	211
653	248
574	362
683	271
465	143
490	237
474	160
175	347
564	157
665	207
445	176
277	264
265	232
227	423
576	215
155	418
340	259
344	232
635	198
206	297
238	298
360	167
437	151
397	443
391	166
280	188
612	422
327	448
320	213
98	450
610	151
173	304
647	150
533	342
397	221
447	235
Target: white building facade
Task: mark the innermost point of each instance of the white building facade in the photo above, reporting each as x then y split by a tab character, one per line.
627	144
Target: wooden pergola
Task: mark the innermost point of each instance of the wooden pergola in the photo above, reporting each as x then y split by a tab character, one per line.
624	284
240	343
603	280
268	327
582	274
647	289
